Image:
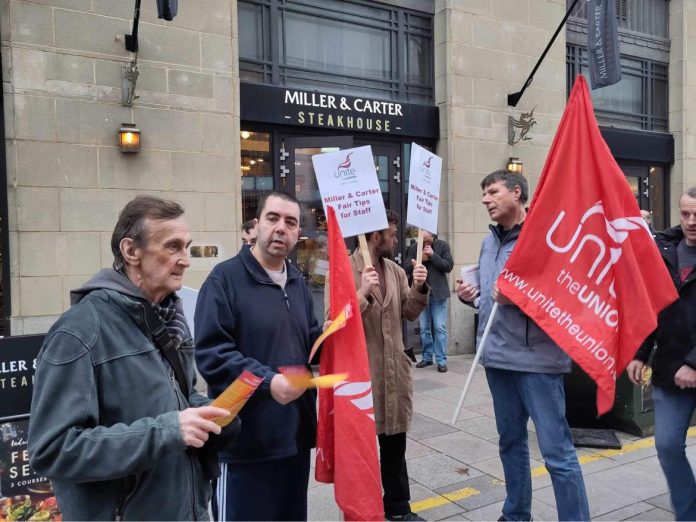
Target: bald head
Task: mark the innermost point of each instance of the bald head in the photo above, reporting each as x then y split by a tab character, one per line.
646	215
687	215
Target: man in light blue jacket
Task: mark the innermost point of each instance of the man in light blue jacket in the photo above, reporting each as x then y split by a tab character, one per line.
524	367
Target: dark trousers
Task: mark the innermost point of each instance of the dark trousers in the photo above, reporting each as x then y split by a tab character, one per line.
392	459
274	490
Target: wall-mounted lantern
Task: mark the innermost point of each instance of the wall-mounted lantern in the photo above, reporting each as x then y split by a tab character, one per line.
129	138
515	165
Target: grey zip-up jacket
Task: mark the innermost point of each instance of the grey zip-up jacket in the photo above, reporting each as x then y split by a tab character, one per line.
104	417
514	342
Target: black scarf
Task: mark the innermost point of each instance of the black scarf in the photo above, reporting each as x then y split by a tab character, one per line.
171	311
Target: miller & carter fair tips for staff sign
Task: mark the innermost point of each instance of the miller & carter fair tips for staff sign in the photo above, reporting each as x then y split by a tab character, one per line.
424	189
348	182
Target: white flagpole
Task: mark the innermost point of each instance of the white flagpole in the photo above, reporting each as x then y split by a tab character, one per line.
470	377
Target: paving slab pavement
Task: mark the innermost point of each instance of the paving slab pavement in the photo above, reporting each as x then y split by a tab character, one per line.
455	472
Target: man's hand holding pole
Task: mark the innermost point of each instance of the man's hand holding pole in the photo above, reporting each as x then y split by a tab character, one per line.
420	274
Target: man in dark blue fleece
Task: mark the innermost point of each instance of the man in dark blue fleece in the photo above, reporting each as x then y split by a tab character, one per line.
115	422
255	313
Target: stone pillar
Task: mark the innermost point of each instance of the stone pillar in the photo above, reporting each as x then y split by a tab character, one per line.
682	99
484	50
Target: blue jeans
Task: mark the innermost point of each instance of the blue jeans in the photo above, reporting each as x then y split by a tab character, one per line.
673	411
434	318
517	396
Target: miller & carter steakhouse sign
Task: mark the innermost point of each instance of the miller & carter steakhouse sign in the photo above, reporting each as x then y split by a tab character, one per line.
265	103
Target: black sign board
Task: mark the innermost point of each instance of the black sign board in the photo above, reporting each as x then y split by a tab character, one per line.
24	495
17	478
286	106
17	359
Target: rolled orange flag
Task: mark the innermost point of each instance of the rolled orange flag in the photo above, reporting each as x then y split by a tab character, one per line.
339	322
300	377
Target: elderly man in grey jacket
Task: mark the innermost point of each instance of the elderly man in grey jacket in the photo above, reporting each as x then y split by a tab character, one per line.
115	421
524	368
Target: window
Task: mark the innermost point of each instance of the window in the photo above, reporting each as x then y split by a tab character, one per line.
257	171
649	17
638	101
254	41
343	46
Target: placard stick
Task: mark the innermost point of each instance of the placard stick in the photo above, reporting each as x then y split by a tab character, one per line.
479	352
419	250
364	250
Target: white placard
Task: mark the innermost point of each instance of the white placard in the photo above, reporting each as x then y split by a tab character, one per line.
424	189
189	296
470	274
348	182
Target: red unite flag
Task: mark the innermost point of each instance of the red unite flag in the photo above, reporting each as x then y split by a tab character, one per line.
346	433
585	267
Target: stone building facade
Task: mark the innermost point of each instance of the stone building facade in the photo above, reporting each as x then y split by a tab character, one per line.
66	178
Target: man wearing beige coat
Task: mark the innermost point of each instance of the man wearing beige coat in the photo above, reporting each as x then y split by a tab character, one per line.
385	299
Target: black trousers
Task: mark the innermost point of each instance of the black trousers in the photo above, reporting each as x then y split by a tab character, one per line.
392	459
273	490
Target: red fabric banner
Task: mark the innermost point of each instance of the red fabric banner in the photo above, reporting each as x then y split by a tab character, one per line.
585	267
346	434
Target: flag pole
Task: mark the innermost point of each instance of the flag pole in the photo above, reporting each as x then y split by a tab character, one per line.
470	377
512	99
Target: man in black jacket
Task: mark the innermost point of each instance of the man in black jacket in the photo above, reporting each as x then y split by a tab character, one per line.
255	313
437	259
674	364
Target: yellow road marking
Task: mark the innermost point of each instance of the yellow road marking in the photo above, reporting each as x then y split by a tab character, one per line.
460	494
608	453
446	498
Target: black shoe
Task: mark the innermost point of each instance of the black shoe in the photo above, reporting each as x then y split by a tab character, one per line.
442	368
424	363
408	516
409	353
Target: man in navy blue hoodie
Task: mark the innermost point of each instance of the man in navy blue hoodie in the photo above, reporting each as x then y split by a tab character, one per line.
255	313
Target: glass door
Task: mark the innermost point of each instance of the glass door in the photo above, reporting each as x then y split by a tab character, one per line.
648	185
297	176
388	166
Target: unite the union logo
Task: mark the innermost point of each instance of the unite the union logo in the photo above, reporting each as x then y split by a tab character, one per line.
346	163
344	170
425	169
359	394
602	239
